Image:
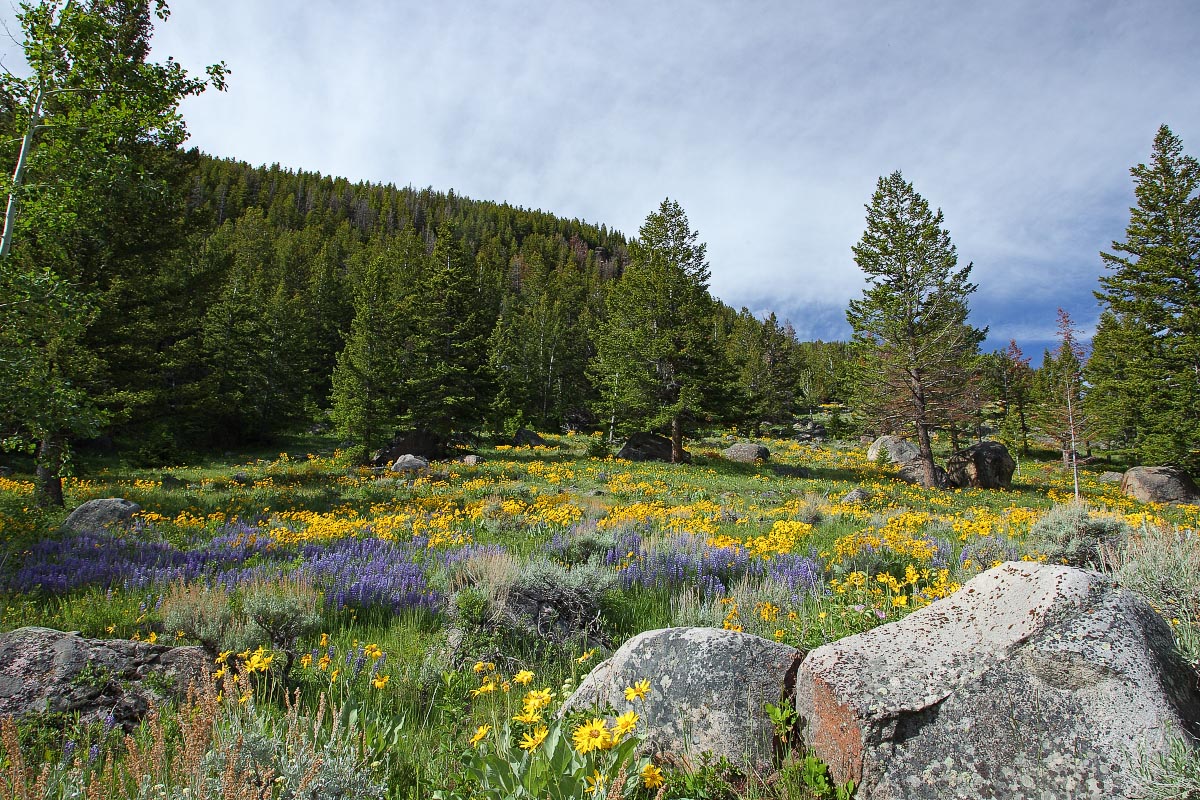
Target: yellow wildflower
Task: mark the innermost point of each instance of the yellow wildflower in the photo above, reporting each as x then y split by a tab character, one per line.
652	777
595	781
480	732
530	741
523	677
624	725
591	735
380	681
638	691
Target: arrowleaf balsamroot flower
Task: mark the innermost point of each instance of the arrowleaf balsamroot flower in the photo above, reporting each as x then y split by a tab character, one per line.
530	741
638	691
592	735
652	777
480	733
523	677
624	725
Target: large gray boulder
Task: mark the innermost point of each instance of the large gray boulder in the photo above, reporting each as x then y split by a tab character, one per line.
898	450
49	671
648	447
986	465
707	691
746	453
1159	485
96	514
527	438
1032	681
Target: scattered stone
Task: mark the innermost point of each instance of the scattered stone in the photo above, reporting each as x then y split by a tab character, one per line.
707	691
416	442
810	432
986	465
48	671
788	470
527	438
1034	680
898	450
595	493
1111	477
95	514
913	471
1159	485
648	447
859	495
242	479
410	463
6	472
472	460
746	453
170	482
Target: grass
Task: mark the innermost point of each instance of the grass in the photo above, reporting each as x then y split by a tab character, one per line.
746	547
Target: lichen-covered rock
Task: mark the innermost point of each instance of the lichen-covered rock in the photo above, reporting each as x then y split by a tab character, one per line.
44	670
857	495
746	453
707	691
898	450
1111	477
985	465
1032	681
96	514
1159	485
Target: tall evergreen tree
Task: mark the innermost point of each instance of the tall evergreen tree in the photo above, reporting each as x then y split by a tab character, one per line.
655	364
1152	290
915	349
448	385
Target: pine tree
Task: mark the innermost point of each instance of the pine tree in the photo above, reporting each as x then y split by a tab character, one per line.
1016	387
1152	290
915	349
656	365
448	385
1059	408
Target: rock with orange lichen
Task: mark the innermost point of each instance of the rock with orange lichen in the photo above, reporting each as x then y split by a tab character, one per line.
1032	681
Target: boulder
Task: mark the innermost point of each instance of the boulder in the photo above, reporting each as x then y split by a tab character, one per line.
746	453
1033	680
986	465
1159	485
527	438
5	472
1111	477
648	447
410	463
96	514
707	691
898	450
857	495
416	442
913	471
49	671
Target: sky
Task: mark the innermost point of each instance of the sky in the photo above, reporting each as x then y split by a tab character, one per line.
769	122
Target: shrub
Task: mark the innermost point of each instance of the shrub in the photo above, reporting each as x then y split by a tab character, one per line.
1069	534
1174	775
284	609
1164	567
201	612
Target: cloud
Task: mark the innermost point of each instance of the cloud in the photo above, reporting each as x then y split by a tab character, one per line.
769	121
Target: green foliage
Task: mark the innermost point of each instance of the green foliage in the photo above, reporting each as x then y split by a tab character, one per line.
284	610
1174	775
1069	534
915	350
1148	347
1164	567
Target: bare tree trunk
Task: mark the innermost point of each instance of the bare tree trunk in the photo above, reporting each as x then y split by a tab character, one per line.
676	440
48	488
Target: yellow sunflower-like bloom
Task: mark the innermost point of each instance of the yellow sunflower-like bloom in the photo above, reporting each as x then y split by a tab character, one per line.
480	733
528	717
380	681
624	725
595	781
530	741
652	777
523	677
638	691
537	699
591	735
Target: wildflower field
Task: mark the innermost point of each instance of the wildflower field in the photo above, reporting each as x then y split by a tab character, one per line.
365	627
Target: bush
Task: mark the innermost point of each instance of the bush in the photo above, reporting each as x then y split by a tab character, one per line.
284	609
1164	567
1070	535
202	612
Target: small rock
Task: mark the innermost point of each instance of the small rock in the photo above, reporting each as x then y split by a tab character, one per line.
409	463
96	514
858	495
472	460
527	438
170	482
5	472
746	453
1110	477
